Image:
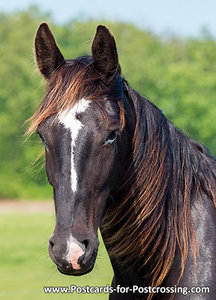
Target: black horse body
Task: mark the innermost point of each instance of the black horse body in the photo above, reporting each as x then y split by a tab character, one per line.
148	187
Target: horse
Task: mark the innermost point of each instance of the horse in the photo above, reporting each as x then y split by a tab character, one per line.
115	162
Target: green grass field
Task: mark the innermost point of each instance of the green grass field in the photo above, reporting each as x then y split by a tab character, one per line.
25	266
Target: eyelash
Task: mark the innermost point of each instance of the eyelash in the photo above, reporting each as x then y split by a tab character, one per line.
42	139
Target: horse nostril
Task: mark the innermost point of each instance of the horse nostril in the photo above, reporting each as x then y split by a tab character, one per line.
51	243
86	243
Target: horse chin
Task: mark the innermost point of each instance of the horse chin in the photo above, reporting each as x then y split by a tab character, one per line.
72	272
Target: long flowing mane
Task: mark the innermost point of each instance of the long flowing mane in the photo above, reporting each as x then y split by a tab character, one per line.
168	172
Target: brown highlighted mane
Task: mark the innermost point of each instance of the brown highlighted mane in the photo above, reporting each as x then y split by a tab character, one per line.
70	82
153	218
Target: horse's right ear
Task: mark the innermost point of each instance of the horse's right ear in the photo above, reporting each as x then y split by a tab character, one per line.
47	53
105	54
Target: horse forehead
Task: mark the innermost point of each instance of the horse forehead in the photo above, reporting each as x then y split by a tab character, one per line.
70	118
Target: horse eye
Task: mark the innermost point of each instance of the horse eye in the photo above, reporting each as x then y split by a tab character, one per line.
111	137
42	139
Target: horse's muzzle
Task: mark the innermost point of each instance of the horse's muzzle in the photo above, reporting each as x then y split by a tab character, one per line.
78	259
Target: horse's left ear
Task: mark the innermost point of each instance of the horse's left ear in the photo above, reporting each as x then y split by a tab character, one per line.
105	54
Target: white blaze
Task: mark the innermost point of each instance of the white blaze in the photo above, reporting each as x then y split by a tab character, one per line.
73	252
69	120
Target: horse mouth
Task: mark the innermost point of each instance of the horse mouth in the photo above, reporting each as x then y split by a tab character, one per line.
85	268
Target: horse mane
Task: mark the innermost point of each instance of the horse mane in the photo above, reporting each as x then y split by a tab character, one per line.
152	219
70	82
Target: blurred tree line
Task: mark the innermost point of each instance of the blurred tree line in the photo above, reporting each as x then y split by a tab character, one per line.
178	75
